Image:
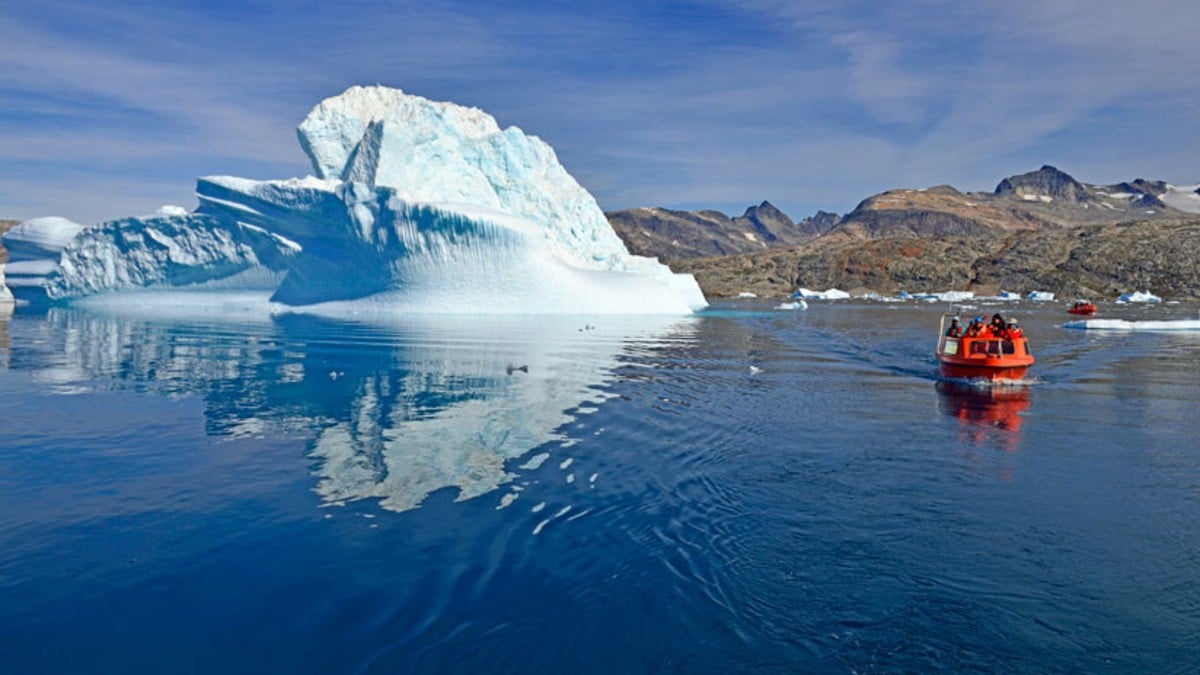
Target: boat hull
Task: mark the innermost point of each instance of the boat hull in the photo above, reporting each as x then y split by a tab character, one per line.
982	371
985	356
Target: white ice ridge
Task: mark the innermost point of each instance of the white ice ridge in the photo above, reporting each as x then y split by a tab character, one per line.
1138	296
831	294
417	207
1123	325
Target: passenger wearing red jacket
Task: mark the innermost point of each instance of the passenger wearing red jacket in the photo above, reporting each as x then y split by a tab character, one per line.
1012	331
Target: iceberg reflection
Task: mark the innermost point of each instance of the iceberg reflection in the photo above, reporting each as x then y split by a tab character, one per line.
393	411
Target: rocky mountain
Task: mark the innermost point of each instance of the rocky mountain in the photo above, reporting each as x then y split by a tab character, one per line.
5	226
1042	230
673	235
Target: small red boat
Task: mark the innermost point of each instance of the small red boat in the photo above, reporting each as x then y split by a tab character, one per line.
1083	307
987	356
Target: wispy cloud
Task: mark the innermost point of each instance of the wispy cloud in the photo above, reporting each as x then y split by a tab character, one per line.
717	104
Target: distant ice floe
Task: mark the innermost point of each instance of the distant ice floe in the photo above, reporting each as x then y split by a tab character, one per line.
1123	325
1138	296
1040	296
747	294
831	294
798	304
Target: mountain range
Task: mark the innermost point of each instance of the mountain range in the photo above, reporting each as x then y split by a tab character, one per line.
1042	230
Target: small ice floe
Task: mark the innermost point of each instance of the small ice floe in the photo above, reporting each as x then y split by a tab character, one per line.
1147	326
1008	295
1040	296
798	304
754	370
507	500
537	508
592	478
831	294
1138	296
570	478
534	463
747	294
566	463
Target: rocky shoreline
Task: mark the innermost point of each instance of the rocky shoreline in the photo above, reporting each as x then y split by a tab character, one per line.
1041	231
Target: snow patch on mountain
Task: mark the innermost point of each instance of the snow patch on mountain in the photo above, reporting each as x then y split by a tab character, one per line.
1183	198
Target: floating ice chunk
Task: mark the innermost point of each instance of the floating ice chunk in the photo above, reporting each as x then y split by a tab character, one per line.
507	500
1123	325
565	463
1040	296
798	304
1138	296
534	463
747	294
831	294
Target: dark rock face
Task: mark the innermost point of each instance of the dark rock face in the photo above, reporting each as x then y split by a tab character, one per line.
5	226
675	235
1046	181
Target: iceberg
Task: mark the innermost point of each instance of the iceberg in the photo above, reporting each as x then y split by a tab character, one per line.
1138	296
831	294
34	247
1040	296
1171	325
416	206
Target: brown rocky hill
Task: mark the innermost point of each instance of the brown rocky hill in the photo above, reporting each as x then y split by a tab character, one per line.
1042	230
1088	260
672	235
5	226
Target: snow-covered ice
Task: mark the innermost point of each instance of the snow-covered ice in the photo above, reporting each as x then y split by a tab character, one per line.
1040	296
1123	325
1138	296
416	207
831	294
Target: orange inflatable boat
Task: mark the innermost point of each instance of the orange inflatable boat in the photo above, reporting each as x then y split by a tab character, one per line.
986	355
1083	308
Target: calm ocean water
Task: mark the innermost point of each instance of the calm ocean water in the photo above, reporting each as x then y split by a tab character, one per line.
749	490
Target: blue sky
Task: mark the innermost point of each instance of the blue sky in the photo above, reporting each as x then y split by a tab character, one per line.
113	109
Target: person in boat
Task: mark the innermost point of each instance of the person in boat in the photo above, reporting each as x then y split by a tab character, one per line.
975	327
1013	330
997	325
955	329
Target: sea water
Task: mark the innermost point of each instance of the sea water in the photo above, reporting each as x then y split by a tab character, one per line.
747	490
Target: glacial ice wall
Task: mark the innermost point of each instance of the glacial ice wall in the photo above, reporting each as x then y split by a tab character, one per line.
417	207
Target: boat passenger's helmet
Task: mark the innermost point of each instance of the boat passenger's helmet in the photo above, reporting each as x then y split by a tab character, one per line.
1012	322
979	319
954	320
